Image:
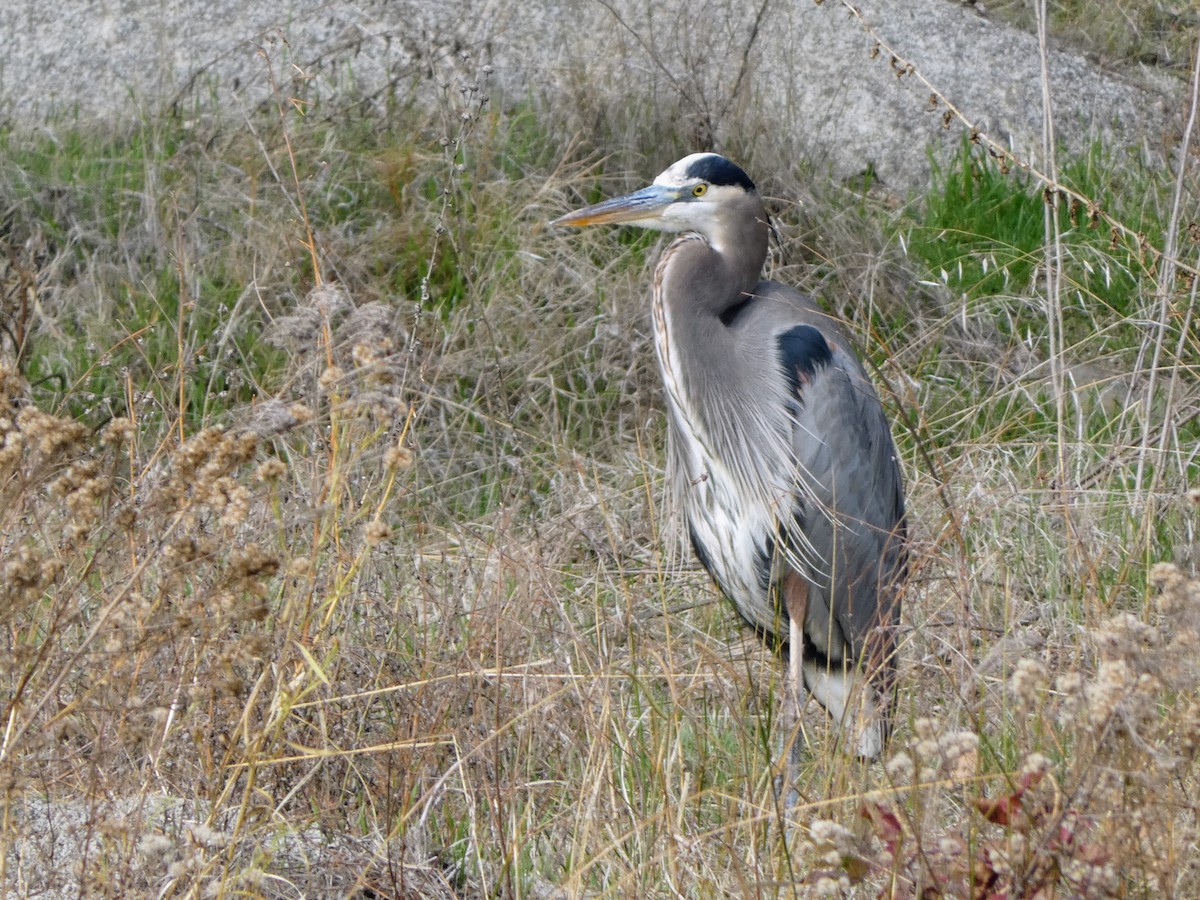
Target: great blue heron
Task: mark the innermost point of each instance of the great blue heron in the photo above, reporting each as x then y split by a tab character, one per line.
779	453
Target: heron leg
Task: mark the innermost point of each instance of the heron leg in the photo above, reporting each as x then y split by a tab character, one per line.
851	701
795	599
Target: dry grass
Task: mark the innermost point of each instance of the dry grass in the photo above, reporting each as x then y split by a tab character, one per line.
335	562
1123	32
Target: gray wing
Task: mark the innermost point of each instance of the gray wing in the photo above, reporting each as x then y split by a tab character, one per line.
849	500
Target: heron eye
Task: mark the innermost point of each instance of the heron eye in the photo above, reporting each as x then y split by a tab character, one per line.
700	190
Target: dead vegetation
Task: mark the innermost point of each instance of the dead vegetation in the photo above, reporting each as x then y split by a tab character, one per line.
334	559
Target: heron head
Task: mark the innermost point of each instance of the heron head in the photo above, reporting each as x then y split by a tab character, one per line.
690	195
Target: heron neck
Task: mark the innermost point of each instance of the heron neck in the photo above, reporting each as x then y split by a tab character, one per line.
700	294
708	338
705	278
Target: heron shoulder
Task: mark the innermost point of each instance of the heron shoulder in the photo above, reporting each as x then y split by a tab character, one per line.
783	308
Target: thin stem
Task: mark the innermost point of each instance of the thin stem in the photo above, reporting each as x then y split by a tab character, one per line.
1163	295
1052	252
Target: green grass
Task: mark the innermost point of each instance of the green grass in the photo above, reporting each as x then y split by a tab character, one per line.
1123	32
355	556
983	230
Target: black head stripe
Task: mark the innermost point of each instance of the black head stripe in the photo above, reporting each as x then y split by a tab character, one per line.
718	170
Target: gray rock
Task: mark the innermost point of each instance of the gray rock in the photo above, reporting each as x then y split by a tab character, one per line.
723	73
880	115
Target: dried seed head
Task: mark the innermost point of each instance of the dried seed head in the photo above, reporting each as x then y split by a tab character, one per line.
270	470
302	413
1113	683
204	836
331	377
1165	573
364	356
371	329
828	886
119	431
51	433
1028	680
272	417
1035	764
398	457
900	769
301	330
925	729
328	299
926	750
152	846
12	385
377	532
957	746
22	570
831	837
299	566
12	445
236	506
1125	636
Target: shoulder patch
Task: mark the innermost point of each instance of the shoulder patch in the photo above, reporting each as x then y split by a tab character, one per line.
802	350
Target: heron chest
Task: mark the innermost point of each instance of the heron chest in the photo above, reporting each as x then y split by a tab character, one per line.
731	525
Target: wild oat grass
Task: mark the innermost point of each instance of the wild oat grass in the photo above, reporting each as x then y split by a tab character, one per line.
335	563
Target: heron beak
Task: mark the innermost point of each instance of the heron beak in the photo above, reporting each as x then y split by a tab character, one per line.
641	207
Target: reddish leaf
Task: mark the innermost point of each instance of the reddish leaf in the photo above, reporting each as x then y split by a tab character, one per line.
886	823
1094	854
985	876
1000	811
1003	810
1028	780
1064	837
